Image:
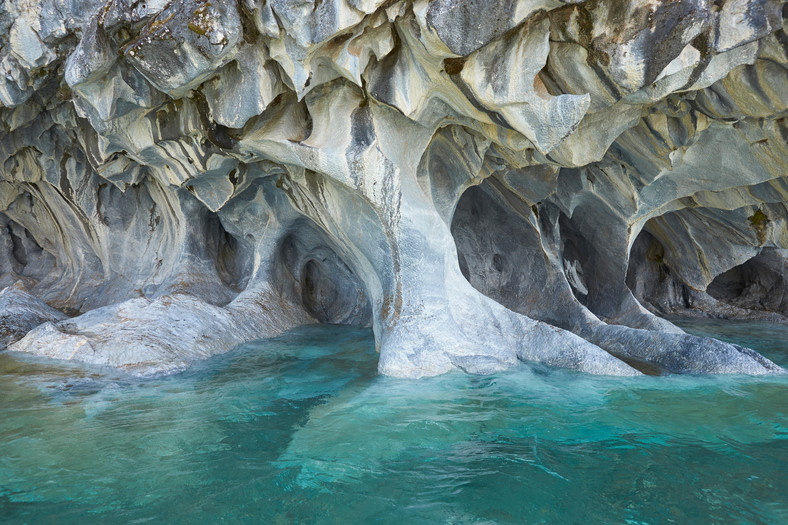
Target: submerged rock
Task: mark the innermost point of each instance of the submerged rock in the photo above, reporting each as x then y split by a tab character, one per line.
482	182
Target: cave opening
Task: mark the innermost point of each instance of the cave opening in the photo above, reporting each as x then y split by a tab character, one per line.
757	284
232	257
489	239
20	254
501	250
735	283
18	251
650	278
576	259
753	287
310	272
325	293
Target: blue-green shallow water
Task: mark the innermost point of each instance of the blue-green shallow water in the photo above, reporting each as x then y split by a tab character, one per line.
299	429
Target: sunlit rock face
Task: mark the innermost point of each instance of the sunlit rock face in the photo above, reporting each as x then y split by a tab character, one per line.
483	182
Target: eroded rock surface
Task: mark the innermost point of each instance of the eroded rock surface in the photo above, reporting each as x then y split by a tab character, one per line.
20	312
482	182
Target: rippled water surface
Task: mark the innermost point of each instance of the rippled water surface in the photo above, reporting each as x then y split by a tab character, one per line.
300	429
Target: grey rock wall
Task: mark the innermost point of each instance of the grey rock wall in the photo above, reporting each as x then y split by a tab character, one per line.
481	181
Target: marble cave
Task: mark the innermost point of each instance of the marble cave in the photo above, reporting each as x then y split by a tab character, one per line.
481	182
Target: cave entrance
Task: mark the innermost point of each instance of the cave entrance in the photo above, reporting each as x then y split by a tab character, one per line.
310	272
758	284
650	279
20	254
331	294
491	247
501	253
576	256
233	258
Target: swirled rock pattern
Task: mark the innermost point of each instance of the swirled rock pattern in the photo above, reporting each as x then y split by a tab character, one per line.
481	181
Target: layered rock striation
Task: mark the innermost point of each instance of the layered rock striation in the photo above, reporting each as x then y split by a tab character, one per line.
480	181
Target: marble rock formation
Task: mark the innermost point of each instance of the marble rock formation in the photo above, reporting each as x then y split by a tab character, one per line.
480	181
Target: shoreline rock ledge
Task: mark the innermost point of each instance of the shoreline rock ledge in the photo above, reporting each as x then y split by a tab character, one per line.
482	182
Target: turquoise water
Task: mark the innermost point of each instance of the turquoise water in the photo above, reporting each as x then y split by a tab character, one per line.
299	429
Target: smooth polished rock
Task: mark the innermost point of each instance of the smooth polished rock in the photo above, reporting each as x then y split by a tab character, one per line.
145	337
482	182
